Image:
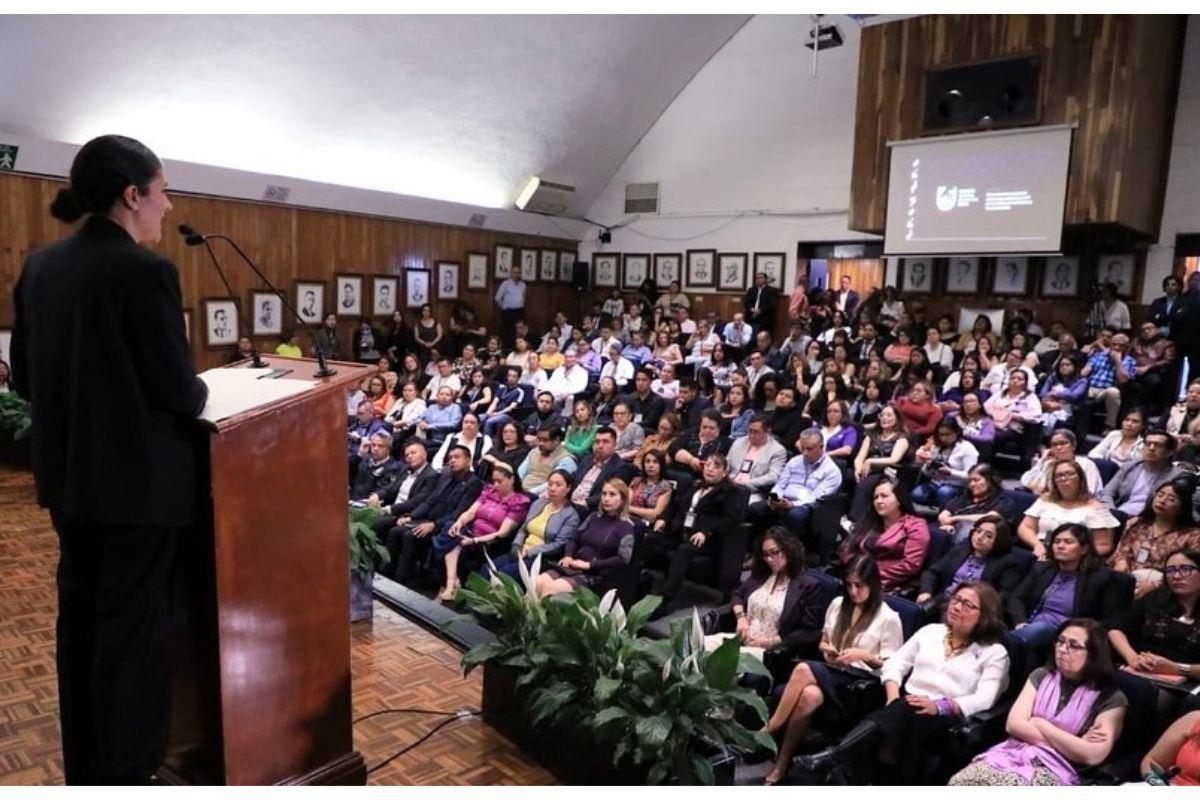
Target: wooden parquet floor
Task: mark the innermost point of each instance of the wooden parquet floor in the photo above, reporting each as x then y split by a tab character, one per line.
394	664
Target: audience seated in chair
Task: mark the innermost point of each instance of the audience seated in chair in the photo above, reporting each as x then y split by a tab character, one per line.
944	462
986	556
596	468
1159	636
602	543
1067	501
891	534
806	480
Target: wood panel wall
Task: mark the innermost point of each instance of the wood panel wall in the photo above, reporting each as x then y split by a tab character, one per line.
1114	75
289	244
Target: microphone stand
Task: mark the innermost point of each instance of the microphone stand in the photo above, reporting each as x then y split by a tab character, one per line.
254	354
323	370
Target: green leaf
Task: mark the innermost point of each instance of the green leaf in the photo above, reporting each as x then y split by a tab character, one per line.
605	689
751	699
481	654
553	699
653	731
702	768
749	665
658	773
640	613
720	667
606	715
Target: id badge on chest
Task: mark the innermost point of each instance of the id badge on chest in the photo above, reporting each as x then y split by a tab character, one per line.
637	418
1143	555
689	521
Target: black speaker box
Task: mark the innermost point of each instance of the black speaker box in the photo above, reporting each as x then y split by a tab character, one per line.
581	279
991	93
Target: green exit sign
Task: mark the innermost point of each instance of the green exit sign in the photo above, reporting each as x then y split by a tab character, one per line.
8	157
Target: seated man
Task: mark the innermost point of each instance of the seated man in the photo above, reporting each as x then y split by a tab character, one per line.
700	346
690	405
1152	385
542	414
757	460
445	376
456	489
806	480
689	450
547	455
636	351
408	490
376	471
1127	492
441	418
567	381
511	398
739	336
647	407
601	344
362	428
765	343
597	467
1107	371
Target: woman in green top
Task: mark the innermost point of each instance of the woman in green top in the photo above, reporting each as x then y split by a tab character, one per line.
582	430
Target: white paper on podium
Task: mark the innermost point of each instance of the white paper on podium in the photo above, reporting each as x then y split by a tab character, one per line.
232	391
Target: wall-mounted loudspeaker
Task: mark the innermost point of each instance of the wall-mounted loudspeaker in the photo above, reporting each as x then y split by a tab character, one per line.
580	279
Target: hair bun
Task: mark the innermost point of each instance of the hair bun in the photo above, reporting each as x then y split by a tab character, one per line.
66	206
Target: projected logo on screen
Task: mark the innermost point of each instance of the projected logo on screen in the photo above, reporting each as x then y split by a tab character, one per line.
949	198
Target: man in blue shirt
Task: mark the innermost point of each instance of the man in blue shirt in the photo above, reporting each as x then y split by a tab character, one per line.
1107	371
510	297
441	419
806	480
510	398
636	351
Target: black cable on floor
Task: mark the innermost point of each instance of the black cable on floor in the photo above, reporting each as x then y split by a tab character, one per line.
455	718
429	711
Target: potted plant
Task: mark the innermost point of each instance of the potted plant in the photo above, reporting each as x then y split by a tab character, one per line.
570	680
367	555
15	427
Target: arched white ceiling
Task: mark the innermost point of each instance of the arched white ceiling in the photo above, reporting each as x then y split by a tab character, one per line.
459	108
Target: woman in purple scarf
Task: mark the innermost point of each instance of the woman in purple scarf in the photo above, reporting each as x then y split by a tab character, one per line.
1068	715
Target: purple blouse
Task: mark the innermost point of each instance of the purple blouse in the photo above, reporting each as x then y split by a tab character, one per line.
846	437
1058	601
969	570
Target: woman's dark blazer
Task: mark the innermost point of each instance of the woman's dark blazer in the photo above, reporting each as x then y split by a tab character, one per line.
804	608
1097	595
718	511
1004	573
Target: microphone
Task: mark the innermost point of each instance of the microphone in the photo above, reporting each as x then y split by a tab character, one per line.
192	238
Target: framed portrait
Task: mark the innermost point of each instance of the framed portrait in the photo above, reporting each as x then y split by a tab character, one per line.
416	286
384	291
220	322
267	308
310	301
604	269
6	342
701	268
772	264
916	275
1012	275
187	328
477	267
548	266
1117	270
348	296
505	253
447	279
566	266
731	271
636	270
667	269
962	275
529	265
1061	276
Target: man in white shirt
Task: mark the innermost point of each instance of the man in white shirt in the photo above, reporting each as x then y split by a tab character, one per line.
619	368
996	381
701	345
567	381
1110	311
738	336
510	298
755	369
686	325
606	340
446	376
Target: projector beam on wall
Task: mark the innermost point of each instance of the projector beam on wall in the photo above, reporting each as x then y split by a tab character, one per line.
544	197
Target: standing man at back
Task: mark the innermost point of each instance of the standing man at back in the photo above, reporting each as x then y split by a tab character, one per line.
510	297
99	351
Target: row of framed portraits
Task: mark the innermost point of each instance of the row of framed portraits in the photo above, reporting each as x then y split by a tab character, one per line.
704	269
1013	275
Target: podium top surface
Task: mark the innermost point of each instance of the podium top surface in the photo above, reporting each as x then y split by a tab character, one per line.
244	401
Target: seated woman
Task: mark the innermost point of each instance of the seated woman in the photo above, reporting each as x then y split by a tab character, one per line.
477	395
977	427
381	399
944	462
711	507
494	516
602	543
986	556
661	440
970	363
549	524
736	412
406	412
582	430
951	400
945	673
1159	635
984	496
1175	758
832	390
920	413
1123	445
480	444
509	447
650	493
1060	395
1067	585
533	374
897	352
666	385
780	603
605	398
1166	524
1013	409
764	392
883	450
665	352
891	534
1183	421
1069	715
916	369
841	438
861	632
1068	500
1062	448
865	410
720	368
551	359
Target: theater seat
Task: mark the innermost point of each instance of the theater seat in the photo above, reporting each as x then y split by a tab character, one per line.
1143	725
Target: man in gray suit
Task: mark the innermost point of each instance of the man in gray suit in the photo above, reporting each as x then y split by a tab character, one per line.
757	460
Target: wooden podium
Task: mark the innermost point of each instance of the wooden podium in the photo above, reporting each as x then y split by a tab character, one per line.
261	651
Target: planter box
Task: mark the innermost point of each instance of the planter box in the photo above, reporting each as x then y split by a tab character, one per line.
361	595
564	753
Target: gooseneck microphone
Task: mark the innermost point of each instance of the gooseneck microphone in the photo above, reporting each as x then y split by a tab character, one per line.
193	239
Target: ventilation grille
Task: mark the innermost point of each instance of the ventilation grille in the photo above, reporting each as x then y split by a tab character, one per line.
477	220
641	198
276	194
